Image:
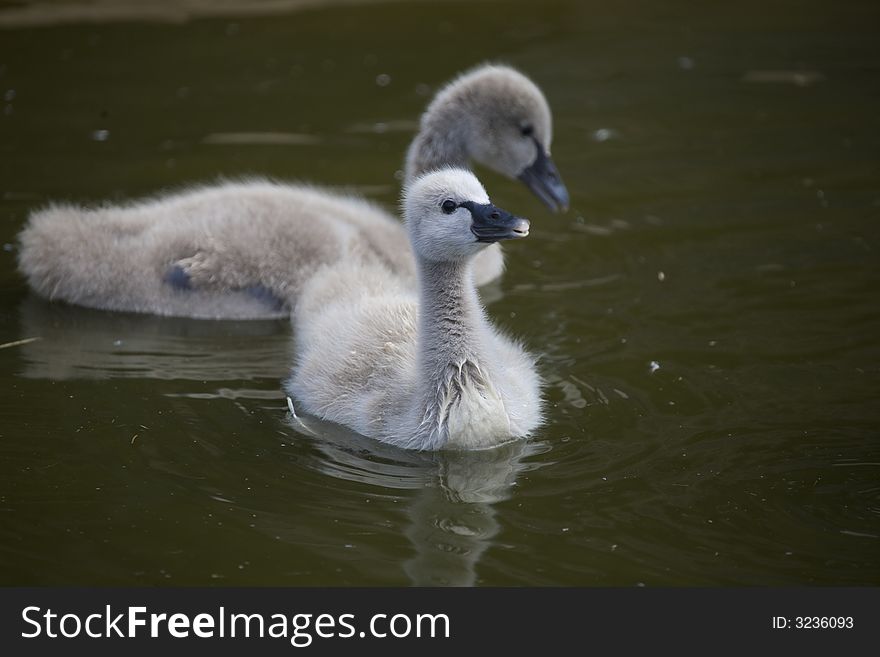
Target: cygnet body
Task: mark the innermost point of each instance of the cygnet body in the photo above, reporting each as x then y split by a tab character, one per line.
243	250
421	369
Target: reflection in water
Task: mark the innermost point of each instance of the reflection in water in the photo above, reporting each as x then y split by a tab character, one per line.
78	343
451	517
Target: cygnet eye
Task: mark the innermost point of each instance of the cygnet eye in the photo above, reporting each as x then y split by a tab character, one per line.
448	206
527	130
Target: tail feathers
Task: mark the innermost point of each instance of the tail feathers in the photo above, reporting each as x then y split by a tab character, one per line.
71	253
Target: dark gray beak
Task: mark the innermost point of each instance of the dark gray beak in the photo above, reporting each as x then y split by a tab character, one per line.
543	178
492	224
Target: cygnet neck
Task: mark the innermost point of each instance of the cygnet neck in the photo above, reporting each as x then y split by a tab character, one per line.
441	142
450	314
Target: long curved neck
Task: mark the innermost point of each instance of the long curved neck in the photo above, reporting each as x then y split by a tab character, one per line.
441	142
451	323
450	314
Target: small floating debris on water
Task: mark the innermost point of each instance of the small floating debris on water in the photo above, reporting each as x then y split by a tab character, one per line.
593	229
383	80
661	276
604	134
18	343
859	534
100	135
383	127
686	63
573	285
8	247
798	78
653	366
613	225
301	424
261	138
620	393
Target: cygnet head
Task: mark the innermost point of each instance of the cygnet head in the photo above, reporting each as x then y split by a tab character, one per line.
450	217
510	127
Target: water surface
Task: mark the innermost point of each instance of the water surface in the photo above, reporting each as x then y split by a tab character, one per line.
706	314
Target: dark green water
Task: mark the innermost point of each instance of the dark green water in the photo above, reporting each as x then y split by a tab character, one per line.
724	165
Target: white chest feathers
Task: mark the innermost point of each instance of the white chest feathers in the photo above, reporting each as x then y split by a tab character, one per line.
477	418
